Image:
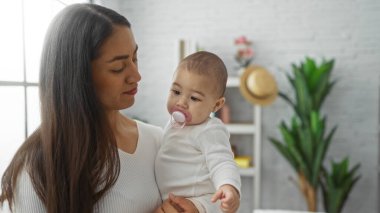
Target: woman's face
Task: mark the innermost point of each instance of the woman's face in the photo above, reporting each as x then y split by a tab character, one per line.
114	72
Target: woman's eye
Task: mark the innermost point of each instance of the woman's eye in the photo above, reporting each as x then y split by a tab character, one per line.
118	70
195	99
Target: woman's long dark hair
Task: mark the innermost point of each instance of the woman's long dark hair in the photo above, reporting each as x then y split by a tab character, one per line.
72	158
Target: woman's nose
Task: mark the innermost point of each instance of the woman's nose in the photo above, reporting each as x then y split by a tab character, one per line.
133	76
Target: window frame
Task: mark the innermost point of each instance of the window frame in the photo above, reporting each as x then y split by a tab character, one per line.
24	83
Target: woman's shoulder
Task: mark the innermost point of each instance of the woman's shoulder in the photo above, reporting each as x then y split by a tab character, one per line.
148	126
149	129
149	132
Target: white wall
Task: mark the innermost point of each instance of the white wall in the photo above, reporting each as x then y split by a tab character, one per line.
283	32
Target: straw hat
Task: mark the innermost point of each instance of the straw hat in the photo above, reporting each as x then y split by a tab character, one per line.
258	86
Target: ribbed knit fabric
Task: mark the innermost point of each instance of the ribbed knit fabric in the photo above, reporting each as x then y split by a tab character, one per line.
135	191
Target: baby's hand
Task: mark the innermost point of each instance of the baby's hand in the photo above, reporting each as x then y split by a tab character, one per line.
229	197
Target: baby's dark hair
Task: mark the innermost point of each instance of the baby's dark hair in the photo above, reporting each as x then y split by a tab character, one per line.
208	64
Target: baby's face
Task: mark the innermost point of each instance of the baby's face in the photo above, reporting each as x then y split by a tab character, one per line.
194	95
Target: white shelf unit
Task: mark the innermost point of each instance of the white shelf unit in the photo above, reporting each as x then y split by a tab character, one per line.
253	129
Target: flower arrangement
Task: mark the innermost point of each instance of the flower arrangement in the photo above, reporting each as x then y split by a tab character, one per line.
244	54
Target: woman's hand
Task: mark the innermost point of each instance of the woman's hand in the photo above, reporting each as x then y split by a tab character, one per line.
176	204
182	204
166	207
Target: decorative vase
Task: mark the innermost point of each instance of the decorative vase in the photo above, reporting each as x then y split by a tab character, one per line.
240	71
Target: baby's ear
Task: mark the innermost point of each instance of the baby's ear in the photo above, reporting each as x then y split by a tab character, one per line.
219	104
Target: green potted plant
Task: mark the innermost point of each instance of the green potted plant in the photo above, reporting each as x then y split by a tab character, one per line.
305	138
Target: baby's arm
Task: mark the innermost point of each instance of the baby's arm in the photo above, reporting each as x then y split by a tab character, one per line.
229	197
224	172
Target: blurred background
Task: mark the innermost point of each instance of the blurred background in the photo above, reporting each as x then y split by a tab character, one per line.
282	32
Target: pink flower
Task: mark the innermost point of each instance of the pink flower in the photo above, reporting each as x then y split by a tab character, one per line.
241	40
248	53
245	53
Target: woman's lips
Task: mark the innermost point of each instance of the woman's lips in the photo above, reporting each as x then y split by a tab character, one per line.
131	92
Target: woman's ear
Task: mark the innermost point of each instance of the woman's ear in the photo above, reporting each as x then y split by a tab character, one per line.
219	104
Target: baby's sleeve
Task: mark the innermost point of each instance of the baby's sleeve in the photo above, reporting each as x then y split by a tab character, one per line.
215	145
204	205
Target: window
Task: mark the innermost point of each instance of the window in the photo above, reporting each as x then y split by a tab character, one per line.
24	23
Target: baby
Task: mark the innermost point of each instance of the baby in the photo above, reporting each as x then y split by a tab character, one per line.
195	159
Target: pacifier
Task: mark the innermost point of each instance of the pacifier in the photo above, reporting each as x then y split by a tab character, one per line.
178	119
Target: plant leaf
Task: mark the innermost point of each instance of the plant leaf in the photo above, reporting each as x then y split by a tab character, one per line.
320	154
285	152
302	96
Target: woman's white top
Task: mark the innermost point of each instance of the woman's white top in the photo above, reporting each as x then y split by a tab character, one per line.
134	191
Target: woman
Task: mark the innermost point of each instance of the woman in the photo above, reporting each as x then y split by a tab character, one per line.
86	156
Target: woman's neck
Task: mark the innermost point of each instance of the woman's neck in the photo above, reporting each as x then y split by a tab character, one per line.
125	131
115	119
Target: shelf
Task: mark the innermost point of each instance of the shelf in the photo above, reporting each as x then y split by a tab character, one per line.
241	128
248	172
252	128
233	82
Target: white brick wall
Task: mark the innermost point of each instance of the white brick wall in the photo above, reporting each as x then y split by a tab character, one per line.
283	31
